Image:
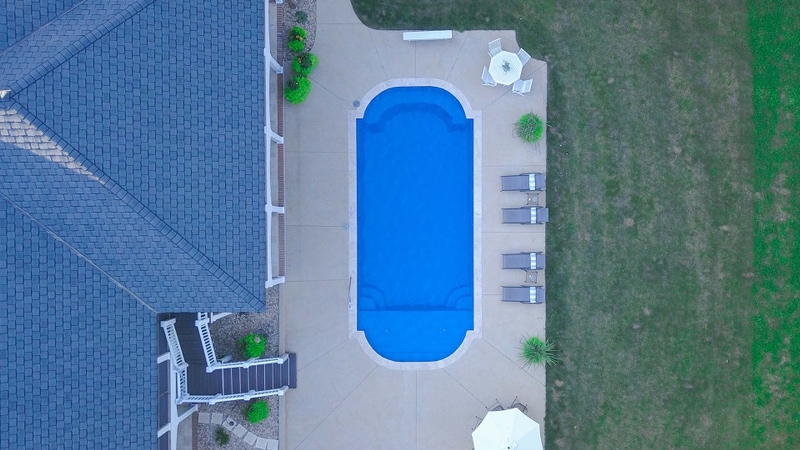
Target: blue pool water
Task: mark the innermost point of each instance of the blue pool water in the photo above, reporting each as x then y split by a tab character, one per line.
415	224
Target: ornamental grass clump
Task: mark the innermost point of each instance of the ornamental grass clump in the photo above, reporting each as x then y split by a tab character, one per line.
253	345
304	63
297	39
534	351
222	437
530	127
256	411
297	89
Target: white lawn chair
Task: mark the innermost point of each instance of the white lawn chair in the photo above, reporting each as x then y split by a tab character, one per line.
524	57
487	78
495	47
522	87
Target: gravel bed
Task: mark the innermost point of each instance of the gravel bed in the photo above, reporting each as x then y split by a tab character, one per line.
267	429
226	334
309	7
227	331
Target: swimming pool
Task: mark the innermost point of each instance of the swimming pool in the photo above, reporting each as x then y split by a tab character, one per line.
415	223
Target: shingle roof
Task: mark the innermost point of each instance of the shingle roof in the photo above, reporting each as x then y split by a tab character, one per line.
18	18
43	48
72	199
76	371
171	108
132	181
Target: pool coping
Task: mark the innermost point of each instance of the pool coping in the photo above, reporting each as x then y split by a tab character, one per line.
477	265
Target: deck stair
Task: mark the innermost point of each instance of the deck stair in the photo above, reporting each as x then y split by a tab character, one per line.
241	380
190	343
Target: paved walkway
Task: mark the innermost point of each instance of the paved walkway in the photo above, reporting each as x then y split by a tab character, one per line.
344	399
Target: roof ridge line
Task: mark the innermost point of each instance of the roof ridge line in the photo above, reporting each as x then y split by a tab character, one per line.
79	44
138	207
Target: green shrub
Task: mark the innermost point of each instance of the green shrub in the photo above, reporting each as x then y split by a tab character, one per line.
222	437
535	352
301	16
297	39
297	89
256	411
530	127
253	345
304	63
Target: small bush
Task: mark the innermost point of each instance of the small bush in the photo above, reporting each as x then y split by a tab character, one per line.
304	63
253	345
301	17
297	89
535	352
297	39
222	437
530	127
257	411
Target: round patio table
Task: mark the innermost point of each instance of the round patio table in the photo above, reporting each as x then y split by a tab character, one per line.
505	68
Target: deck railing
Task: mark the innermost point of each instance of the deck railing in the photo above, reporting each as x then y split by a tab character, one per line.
183	395
179	367
251	362
271	208
174	344
212	363
219	398
205	337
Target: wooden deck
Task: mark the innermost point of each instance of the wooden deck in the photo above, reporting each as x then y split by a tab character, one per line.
232	380
241	380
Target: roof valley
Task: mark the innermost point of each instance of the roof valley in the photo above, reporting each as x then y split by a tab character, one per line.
21	129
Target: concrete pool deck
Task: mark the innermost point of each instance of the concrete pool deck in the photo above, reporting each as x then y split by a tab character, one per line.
344	399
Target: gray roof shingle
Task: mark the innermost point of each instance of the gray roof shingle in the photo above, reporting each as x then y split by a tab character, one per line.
172	109
77	373
19	18
132	181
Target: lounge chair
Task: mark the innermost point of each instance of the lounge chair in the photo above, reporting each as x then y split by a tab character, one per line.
487	78
523	182
523	294
522	87
495	47
525	261
523	56
526	215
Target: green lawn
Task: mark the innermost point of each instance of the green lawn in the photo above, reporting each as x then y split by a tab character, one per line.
776	350
653	283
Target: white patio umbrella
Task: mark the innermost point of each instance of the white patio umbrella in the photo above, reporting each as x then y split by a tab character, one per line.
509	429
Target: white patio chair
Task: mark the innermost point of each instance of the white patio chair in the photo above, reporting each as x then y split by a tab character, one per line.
524	57
487	78
522	87
495	47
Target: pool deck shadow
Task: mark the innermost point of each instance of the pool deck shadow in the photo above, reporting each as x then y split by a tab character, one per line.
344	399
